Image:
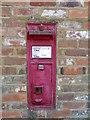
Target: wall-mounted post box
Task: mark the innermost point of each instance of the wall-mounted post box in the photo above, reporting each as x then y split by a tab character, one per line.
41	61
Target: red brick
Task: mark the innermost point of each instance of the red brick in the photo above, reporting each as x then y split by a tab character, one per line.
65	97
23	11
69	71
21	32
21	51
15	97
43	2
89	88
87	25
0	114
14	42
74	88
14	61
73	105
0	70
72	71
74	52
57	114
12	22
79	71
87	4
67	44
82	61
4	11
78	13
7	51
15	2
60	53
10	114
9	32
9	71
83	44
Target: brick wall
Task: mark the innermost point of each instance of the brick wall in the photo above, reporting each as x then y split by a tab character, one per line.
72	57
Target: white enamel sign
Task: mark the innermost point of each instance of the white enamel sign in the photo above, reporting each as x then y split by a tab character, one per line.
41	52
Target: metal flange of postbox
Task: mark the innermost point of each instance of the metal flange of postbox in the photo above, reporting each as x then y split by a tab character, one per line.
41	65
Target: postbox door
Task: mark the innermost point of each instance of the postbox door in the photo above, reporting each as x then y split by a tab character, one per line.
41	61
41	83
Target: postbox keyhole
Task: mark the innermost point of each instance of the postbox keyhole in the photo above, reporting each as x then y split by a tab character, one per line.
37	90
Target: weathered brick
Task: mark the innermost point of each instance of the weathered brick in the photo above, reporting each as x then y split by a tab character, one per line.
67	44
66	80
74	105
19	105
14	61
9	32
5	106
0	70
70	24
78	13
83	44
60	53
0	60
82	61
79	70
20	89
72	71
54	13
25	114
77	34
21	69
7	51
15	2
65	97
23	11
9	71
43	3
87	25
14	79
87	3
41	114
7	89
4	11
82	79
58	114
14	42
15	97
0	114
69	71
70	3
80	113
21	32
12	22
81	97
21	51
10	114
78	52
75	88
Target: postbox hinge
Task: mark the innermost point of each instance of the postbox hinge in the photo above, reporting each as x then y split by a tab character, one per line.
56	70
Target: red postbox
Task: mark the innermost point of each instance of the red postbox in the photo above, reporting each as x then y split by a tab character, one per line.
41	62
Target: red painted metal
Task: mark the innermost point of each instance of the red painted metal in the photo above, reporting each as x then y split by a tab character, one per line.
41	81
